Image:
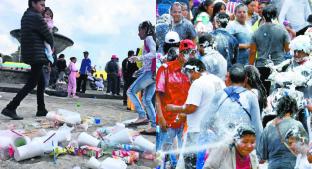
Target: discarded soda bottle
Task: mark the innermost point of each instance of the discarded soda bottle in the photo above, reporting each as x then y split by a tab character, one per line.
200	159
6	153
129	147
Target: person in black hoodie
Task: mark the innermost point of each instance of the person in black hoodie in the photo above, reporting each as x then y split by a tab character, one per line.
61	66
34	31
128	68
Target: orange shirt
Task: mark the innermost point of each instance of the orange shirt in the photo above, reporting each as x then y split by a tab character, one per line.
174	85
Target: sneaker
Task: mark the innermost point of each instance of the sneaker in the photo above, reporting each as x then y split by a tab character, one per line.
41	113
12	114
75	97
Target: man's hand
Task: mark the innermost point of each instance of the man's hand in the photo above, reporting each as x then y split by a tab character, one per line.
162	123
181	118
133	59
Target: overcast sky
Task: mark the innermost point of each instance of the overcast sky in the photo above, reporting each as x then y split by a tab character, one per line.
103	27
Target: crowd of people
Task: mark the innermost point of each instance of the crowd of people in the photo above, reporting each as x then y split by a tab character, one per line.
232	80
220	65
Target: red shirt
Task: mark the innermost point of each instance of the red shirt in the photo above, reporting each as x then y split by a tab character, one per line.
174	85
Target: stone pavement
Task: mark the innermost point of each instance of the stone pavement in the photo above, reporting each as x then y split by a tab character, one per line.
14	88
109	110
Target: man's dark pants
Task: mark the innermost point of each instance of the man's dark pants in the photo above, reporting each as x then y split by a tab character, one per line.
83	78
36	78
112	83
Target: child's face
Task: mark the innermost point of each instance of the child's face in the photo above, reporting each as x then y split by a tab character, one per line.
48	14
74	60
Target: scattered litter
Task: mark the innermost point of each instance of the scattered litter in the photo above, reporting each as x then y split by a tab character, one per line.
122	144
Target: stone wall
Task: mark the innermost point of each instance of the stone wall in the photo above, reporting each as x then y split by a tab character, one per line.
14	77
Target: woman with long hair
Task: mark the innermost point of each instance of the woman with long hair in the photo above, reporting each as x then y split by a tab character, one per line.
146	80
254	84
283	138
202	17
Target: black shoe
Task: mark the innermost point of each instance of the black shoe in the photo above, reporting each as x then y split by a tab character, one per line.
41	113
11	113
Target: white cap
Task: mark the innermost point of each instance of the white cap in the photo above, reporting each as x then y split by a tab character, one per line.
172	37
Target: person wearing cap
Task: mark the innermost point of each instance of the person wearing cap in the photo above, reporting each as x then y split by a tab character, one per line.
85	69
226	44
172	41
235	153
172	88
212	59
203	87
280	139
182	26
111	69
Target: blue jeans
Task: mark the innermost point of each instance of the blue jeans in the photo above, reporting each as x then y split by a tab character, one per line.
165	140
144	81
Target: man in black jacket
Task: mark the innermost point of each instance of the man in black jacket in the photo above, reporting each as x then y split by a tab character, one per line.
128	69
61	66
111	69
34	31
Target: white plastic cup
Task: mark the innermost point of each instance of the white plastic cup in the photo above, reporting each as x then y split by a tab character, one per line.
64	116
111	163
86	139
93	163
144	144
69	116
28	151
121	137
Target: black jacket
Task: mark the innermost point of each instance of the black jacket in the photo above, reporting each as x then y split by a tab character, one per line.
111	67
34	31
61	65
128	68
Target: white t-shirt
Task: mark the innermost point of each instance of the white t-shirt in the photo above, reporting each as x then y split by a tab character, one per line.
296	12
200	94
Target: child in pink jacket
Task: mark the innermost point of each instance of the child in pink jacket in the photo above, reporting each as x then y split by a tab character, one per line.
72	78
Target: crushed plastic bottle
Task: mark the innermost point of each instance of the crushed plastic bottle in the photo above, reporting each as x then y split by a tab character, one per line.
6	153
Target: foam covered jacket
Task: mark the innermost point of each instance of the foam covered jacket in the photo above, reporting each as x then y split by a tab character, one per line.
223	157
34	31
